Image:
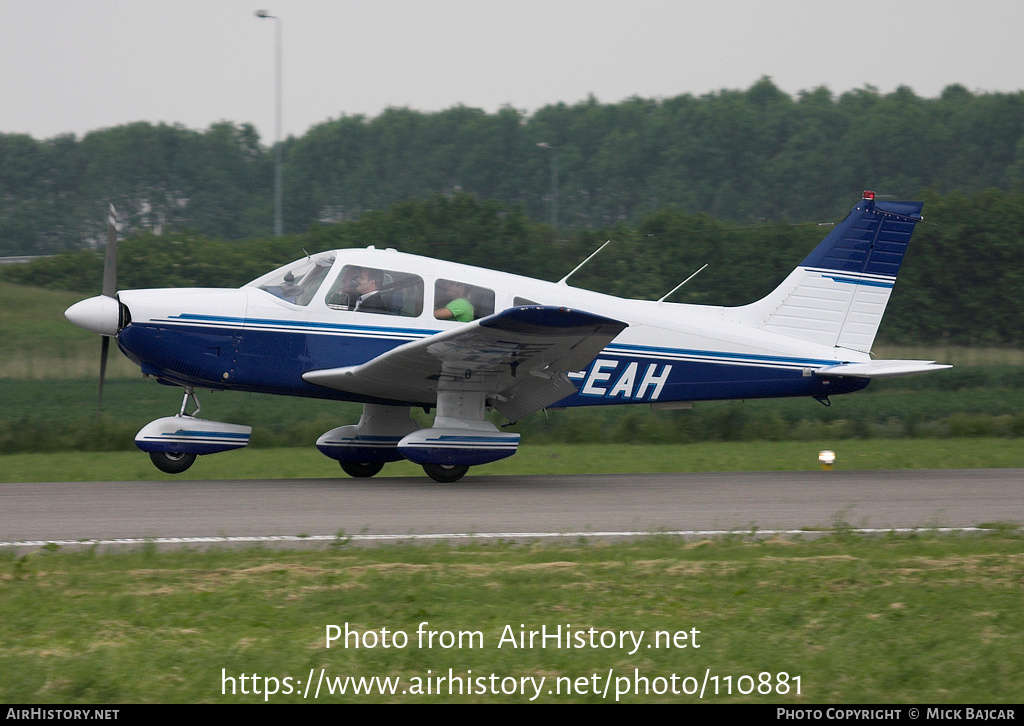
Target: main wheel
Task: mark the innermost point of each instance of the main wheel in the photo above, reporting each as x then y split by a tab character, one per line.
361	469
445	473
172	462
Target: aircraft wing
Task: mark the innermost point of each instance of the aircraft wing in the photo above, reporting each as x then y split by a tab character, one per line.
881	368
519	357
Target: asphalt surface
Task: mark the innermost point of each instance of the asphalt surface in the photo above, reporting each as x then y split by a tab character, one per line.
529	504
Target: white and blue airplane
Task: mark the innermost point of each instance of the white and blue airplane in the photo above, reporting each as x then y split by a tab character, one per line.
395	331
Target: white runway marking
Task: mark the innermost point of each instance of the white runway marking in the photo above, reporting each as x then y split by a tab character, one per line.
372	538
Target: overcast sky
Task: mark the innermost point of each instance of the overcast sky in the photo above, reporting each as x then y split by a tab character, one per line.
80	65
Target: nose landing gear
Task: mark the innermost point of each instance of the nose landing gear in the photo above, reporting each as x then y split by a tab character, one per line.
174	442
172	462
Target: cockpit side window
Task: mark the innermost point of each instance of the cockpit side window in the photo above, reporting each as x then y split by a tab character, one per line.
298	282
460	301
374	290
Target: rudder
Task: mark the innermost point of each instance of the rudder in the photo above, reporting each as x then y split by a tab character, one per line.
838	294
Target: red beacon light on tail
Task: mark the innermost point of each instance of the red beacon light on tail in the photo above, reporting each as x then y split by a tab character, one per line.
868	194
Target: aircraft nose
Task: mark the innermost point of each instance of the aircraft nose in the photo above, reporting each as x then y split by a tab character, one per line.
98	314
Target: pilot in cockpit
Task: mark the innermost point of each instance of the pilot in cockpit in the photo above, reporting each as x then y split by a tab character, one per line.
363	288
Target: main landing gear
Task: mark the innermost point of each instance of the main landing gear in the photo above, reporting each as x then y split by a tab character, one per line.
363	449
361	470
459	438
445	473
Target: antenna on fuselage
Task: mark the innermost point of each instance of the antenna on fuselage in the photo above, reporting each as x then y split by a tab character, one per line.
576	269
662	298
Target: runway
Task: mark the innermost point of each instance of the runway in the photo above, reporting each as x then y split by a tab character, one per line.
613	503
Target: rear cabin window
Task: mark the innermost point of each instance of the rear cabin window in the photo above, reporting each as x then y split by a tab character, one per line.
460	301
374	290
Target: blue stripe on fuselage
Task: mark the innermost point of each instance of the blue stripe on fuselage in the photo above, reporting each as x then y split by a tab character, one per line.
302	326
718	357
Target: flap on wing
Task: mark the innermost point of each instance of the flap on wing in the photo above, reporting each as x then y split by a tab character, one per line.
519	350
881	368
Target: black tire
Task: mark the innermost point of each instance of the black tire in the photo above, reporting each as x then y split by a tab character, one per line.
172	462
361	469
445	473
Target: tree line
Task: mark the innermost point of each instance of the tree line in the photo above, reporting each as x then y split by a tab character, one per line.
754	155
962	280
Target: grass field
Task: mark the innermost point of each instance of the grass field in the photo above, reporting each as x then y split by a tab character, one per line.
847	619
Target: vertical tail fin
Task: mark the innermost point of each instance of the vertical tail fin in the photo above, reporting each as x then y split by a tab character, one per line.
838	294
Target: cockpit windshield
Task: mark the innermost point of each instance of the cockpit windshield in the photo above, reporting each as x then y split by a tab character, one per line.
299	281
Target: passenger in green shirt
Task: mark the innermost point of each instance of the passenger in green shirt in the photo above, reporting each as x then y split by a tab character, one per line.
458	308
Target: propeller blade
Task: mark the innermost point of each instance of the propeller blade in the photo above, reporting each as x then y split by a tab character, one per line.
110	258
109	290
104	350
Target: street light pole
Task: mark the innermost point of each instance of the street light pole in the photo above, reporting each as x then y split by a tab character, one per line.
554	184
278	195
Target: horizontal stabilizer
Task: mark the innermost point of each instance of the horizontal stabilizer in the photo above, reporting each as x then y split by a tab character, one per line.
881	368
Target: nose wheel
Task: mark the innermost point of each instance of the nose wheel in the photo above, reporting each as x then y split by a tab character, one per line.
174	442
171	462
